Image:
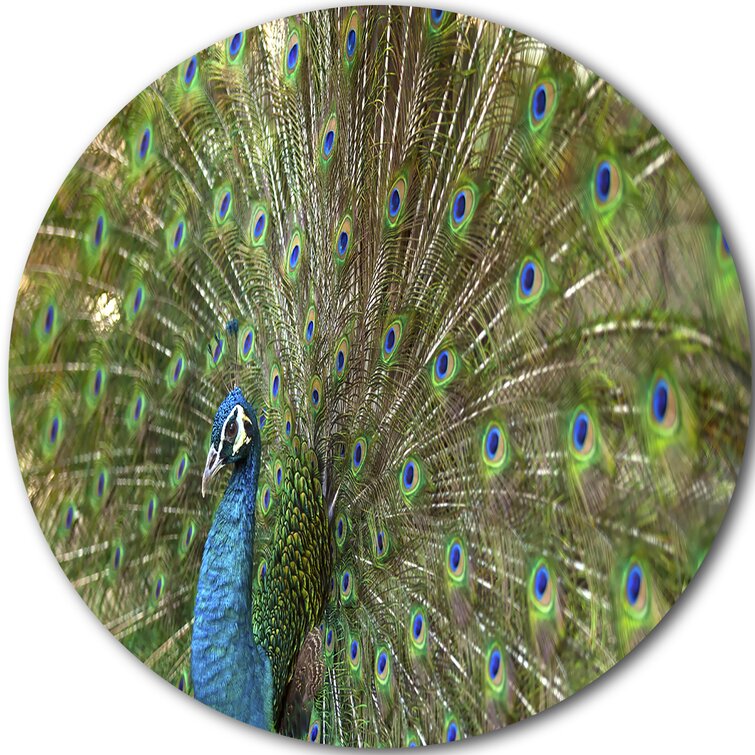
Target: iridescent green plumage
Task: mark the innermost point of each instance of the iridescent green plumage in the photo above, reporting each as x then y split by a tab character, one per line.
492	332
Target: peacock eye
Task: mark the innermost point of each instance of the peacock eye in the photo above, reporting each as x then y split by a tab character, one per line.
231	429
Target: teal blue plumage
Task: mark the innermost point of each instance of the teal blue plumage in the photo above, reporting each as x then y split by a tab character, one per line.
478	417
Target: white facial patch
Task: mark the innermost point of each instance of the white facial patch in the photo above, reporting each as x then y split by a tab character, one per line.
239	416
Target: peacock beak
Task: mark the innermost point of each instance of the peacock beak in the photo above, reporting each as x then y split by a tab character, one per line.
211	468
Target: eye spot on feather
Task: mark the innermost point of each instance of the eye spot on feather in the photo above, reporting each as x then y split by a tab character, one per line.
69	516
311	326
99	231
329	138
542	103
456	561
262	420
635	590
315	392
411	477
262	572
275	383
117	558
391	340
49	319
278	473
382	667
187	537
235	45
341	357
462	207
542	593
347	586
381	543
314	732
582	435
452	731
158	587
355	655
436	18
145	144
351	38
357	455
396	200
294	253
175	371
183	681
54	428
663	406
190	71
530	281
292	53
265	499
340	530
343	238
246	343
178	236
329	640
223	206
418	630
496	676
180	465
495	447
606	184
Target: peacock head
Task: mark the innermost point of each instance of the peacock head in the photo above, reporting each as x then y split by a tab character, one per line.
235	435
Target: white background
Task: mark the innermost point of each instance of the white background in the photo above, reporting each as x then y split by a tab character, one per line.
66	68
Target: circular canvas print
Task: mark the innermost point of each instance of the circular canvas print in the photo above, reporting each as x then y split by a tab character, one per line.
380	376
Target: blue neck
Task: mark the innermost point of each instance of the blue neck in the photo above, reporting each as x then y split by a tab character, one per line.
229	672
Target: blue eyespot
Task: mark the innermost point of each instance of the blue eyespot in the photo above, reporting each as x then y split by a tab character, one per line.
340	361
409	472
351	42
235	44
100	484
380	543
99	229
158	587
436	16
394	203
417	626
97	382
327	144
634	583
339	528
460	207
660	400
150	509
527	278
138	408
247	345
293	56
266	499
492	442
294	258
343	243
494	664
581	429
218	351
452	733
358	454
382	663
390	340
259	226
138	296
329	637
49	319
454	557
69	517
539	102
117	557
54	428
603	181
191	70
276	386
315	396
179	234
345	582
542	578
314	733
144	144
225	205
262	420
441	365
354	651
178	368
279	475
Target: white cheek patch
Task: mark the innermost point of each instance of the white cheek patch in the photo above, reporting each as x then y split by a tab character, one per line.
241	437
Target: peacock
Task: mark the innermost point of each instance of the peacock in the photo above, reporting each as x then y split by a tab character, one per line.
380	376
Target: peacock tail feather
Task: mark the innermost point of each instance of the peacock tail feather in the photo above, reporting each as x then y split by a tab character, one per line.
492	333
